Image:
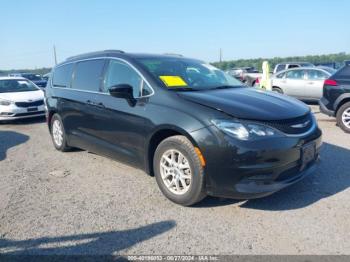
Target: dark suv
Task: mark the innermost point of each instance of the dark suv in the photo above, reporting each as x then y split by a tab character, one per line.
198	130
336	97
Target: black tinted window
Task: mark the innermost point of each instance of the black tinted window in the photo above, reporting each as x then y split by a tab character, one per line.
343	73
87	75
119	73
62	76
292	66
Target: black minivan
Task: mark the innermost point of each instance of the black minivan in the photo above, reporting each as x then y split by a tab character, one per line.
198	130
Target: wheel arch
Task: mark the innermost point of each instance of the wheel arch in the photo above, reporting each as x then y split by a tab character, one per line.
345	98
277	87
157	137
49	117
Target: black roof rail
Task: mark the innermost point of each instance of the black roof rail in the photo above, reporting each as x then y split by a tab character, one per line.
104	52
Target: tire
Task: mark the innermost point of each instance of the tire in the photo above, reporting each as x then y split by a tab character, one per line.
277	90
342	113
57	129
194	191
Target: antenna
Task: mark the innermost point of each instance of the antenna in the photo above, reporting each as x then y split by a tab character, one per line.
54	54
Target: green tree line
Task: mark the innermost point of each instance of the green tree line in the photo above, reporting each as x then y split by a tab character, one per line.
257	62
39	71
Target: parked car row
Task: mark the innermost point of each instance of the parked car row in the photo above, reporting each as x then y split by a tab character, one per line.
20	98
336	97
35	78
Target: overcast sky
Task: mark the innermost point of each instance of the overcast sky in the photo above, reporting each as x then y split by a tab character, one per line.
194	28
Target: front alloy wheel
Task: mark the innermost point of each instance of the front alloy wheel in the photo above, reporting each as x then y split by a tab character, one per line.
178	170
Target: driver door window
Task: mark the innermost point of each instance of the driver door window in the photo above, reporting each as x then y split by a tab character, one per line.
119	72
295	74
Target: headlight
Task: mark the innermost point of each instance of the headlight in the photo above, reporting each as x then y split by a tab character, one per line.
5	102
246	130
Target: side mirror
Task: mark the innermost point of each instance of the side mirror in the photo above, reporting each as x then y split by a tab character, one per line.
121	91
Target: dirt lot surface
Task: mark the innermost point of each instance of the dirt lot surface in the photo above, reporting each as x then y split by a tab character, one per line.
81	203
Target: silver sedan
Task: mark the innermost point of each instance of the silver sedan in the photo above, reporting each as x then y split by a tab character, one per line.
304	83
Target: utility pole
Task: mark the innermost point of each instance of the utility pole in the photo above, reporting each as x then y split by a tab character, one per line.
220	55
54	54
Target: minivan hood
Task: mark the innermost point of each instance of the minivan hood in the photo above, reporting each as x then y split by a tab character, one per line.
249	103
23	96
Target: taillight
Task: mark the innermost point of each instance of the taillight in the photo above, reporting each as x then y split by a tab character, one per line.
330	82
257	81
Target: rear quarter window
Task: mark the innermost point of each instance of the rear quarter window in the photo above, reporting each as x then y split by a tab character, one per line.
88	75
62	76
343	73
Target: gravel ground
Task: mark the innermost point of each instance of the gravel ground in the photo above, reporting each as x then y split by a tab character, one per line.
81	203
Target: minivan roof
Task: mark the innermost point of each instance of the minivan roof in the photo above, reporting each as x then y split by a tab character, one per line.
120	54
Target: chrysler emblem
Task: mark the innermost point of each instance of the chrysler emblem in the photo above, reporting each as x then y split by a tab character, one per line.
301	125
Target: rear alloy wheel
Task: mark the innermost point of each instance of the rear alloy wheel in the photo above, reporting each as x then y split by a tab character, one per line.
343	117
178	171
58	134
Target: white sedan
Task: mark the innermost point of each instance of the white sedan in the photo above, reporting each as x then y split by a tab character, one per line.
304	83
20	98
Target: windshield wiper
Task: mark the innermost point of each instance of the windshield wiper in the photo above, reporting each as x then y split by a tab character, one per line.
224	87
182	89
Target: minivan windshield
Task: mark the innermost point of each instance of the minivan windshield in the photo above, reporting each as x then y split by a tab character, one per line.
187	74
16	85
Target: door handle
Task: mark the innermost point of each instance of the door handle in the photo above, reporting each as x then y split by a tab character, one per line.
310	83
100	104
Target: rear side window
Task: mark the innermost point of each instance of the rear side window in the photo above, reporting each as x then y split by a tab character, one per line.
88	75
343	73
316	75
62	76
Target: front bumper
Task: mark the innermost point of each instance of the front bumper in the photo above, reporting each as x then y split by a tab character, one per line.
14	112
245	170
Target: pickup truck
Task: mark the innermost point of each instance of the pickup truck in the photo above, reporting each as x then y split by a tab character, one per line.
247	75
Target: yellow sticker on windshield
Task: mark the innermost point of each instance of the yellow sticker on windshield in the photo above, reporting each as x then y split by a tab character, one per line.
170	81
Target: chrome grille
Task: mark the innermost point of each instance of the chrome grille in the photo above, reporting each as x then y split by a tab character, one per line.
293	126
30	104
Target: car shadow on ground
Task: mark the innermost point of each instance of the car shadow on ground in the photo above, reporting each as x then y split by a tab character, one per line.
327	181
10	139
102	243
25	121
